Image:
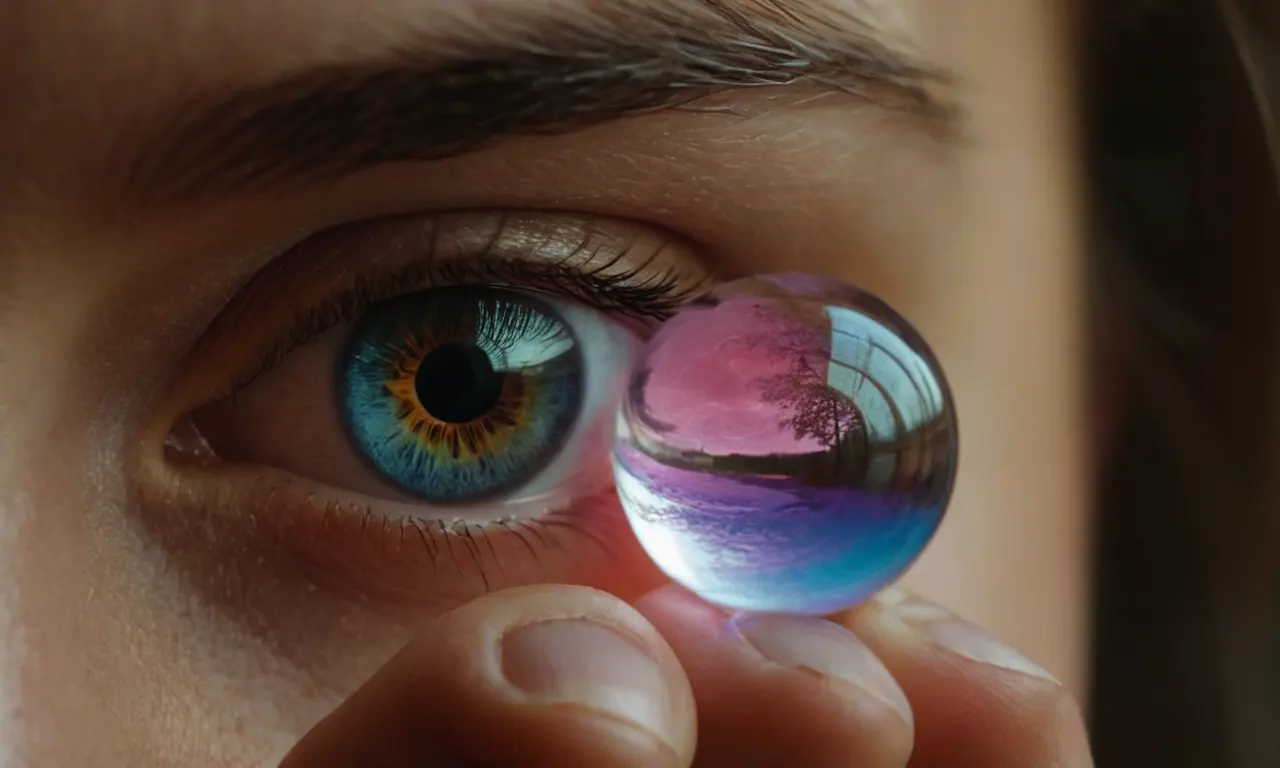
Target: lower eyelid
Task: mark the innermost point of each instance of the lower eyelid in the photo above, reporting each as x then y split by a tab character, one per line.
401	563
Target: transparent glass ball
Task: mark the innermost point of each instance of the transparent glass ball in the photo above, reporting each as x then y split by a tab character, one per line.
786	443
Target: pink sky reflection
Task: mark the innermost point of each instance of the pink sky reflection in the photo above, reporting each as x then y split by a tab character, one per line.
704	381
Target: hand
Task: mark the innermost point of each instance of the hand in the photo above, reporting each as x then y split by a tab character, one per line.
567	676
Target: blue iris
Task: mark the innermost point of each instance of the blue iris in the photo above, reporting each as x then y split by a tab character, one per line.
457	393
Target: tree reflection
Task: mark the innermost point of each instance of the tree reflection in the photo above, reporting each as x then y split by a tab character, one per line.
814	410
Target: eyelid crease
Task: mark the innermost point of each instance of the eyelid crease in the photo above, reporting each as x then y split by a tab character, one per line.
639	273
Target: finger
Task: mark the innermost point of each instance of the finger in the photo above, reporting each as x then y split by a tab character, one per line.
541	676
977	702
775	691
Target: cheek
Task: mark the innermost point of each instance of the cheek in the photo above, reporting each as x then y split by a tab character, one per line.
14	640
118	655
111	649
44	547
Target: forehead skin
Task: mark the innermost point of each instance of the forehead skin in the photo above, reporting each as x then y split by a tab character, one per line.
122	664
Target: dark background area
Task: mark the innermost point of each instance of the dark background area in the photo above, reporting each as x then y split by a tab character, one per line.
1184	184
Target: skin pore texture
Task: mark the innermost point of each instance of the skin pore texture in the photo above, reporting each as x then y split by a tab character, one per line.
151	616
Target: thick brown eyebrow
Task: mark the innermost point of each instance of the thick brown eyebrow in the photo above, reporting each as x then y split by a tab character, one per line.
526	76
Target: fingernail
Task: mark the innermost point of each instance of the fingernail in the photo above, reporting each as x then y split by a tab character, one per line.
957	635
574	661
823	648
978	645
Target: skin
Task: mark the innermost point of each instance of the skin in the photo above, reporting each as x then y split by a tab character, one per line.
138	626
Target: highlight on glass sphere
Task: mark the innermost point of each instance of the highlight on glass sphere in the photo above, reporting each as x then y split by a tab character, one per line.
786	444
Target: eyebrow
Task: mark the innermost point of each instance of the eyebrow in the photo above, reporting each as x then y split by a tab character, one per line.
530	75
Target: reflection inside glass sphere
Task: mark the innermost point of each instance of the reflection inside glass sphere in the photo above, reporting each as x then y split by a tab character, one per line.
787	443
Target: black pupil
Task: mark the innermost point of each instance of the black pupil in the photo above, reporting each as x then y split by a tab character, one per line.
456	383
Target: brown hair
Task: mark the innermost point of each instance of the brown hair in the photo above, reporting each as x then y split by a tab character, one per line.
1184	172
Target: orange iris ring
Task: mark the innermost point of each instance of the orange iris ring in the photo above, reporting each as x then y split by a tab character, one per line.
456	442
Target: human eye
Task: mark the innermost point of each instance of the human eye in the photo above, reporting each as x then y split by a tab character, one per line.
421	407
461	393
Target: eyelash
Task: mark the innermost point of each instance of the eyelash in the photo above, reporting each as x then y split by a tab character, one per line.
645	303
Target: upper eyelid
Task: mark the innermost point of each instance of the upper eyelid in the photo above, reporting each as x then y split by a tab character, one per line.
429	249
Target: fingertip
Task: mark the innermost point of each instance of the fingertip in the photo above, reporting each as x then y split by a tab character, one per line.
820	647
905	624
496	613
555	676
977	700
781	689
672	609
575	659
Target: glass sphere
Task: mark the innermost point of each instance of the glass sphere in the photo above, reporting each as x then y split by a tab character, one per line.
787	443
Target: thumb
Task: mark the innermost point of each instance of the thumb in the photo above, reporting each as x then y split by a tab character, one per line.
539	676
